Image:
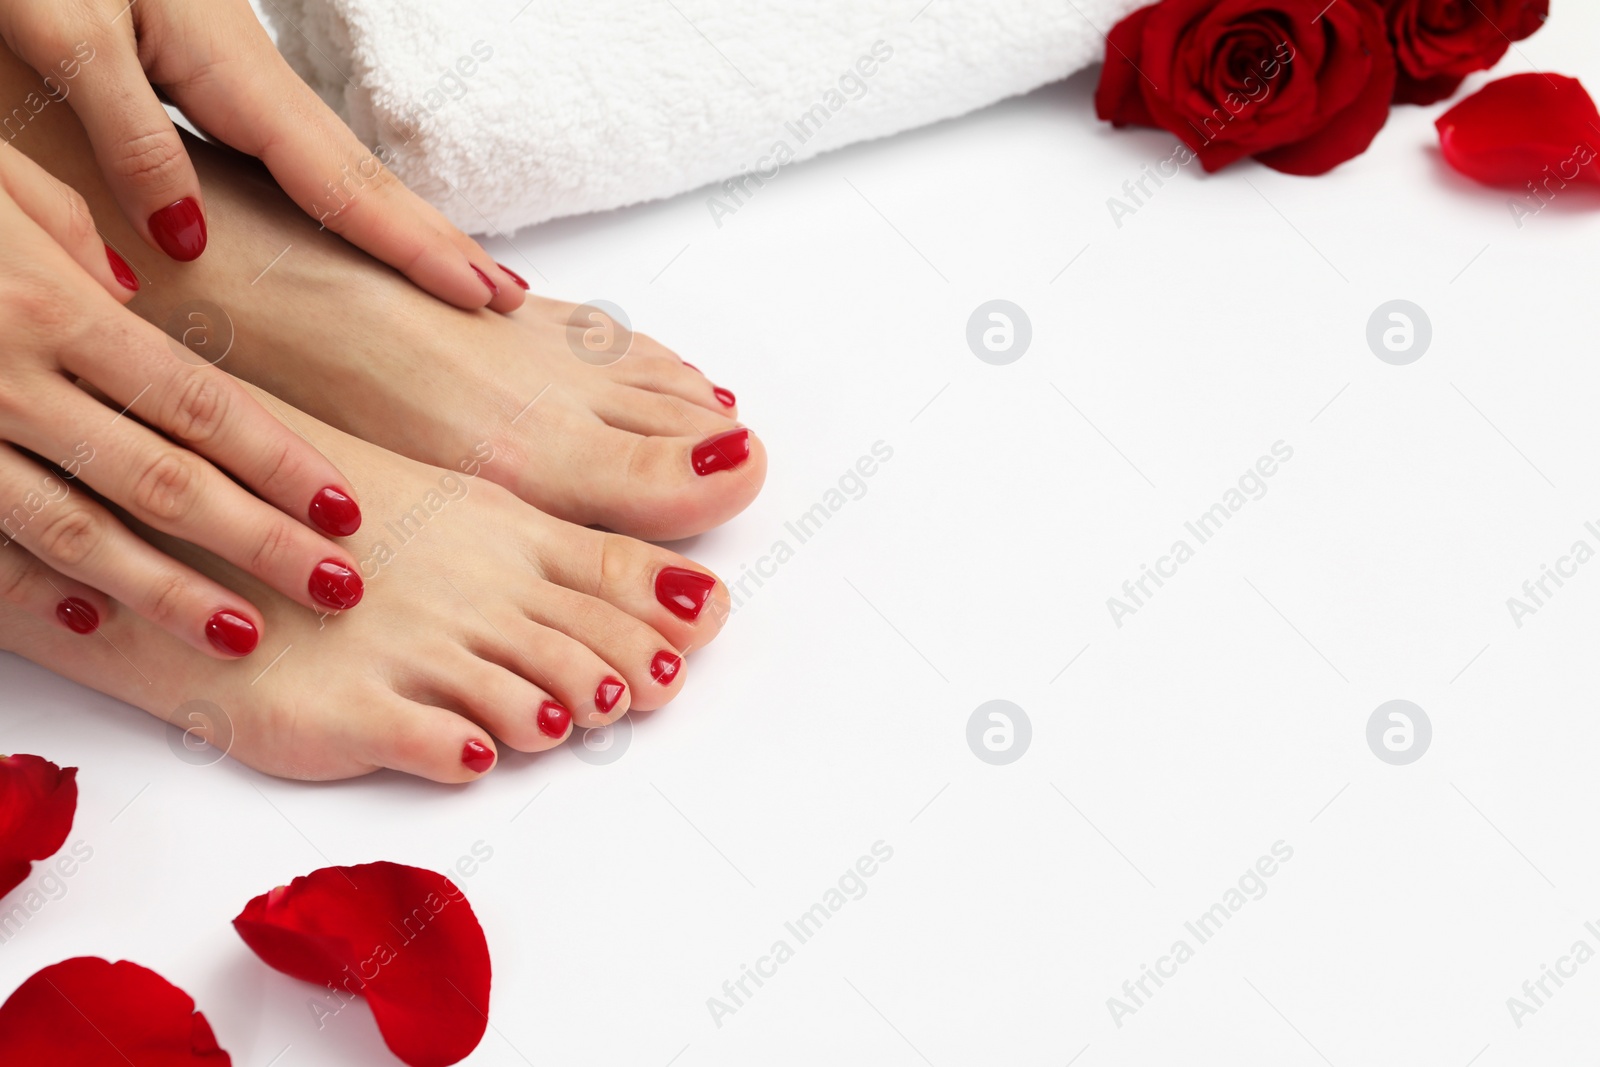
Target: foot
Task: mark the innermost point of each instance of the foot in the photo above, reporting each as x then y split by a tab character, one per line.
484	621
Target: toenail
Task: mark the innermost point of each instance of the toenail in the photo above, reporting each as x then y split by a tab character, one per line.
180	230
121	271
514	275
335	513
608	692
554	720
476	756
692	367
722	452
725	398
78	615
335	586
494	290
684	592
232	633
664	668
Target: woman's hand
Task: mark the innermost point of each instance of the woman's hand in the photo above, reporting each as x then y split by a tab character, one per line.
215	61
140	446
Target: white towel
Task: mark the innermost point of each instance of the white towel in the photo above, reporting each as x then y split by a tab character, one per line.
509	112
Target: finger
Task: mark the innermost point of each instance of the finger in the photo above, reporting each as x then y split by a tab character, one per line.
62	213
48	594
77	536
255	102
177	492
211	413
136	144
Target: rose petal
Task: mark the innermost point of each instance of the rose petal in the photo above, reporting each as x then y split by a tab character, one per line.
404	938
1509	131
86	1012
37	803
1119	98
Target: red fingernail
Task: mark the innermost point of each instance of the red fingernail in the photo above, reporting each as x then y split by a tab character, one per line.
692	367
664	668
724	397
121	271
554	719
78	615
494	290
232	633
514	275
722	452
476	756
180	230
335	586
684	592
607	693
335	513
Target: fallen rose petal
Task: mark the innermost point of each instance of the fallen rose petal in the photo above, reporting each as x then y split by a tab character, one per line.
37	803
87	1012
402	937
1528	128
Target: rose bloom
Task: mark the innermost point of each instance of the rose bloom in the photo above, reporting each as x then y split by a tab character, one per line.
1301	85
1437	43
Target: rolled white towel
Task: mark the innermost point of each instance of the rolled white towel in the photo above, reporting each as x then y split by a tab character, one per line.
509	112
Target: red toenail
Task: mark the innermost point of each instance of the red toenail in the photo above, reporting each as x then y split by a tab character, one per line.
684	592
514	275
121	271
554	719
335	586
494	290
335	513
78	615
476	756
692	367
607	693
180	230
725	398
232	633
722	452
664	668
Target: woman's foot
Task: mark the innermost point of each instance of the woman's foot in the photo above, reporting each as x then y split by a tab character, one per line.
645	445
483	620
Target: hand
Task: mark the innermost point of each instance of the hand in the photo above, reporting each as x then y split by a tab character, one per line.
215	61
66	339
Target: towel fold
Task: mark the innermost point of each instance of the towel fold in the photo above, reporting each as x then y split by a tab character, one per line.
505	113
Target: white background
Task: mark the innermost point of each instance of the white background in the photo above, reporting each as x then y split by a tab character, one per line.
1167	755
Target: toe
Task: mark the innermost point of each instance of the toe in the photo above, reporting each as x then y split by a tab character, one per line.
424	740
646	661
670	376
576	678
652	414
519	712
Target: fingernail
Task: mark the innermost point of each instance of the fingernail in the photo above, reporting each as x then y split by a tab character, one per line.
514	275
724	397
554	719
664	668
180	230
494	290
232	633
121	271
78	615
684	592
476	756
722	452
692	367
335	586
335	513
607	693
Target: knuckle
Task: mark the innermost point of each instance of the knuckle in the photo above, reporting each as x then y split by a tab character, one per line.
167	599
198	408
280	469
276	544
69	538
155	158
165	490
15	578
619	565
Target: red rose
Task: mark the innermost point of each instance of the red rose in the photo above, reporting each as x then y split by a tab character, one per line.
1439	42
1302	85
